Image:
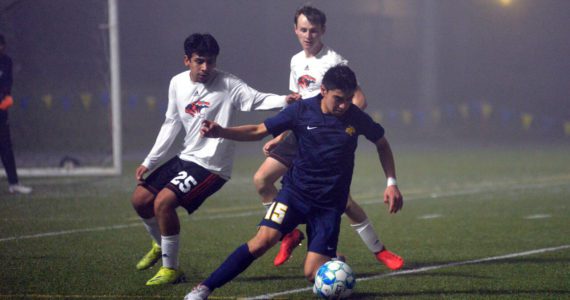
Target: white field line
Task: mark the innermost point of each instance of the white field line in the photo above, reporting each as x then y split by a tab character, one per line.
122	226
538	216
425	269
64	232
470	191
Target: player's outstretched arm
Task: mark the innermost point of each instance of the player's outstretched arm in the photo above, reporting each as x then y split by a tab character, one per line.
392	195
292	97
212	129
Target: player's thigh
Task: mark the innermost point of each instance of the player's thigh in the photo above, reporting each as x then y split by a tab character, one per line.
282	217
313	262
270	171
160	177
286	151
193	184
323	228
165	201
142	197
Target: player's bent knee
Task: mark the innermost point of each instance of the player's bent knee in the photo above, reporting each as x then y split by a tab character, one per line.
263	241
258	247
260	181
310	275
142	202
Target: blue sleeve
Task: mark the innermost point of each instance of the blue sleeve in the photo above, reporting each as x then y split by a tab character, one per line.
283	121
370	129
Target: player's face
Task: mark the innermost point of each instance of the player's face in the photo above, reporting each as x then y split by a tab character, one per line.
201	67
309	35
335	102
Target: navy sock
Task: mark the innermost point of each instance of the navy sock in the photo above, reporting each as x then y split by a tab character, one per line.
236	263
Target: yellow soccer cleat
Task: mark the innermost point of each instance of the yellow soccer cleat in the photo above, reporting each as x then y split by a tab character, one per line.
150	258
167	276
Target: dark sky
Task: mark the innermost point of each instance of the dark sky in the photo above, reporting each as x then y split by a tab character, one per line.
408	54
484	49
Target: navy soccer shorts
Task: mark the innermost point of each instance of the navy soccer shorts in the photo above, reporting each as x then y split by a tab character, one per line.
323	225
285	151
191	183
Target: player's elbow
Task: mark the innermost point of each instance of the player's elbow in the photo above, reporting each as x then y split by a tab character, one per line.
259	132
382	144
258	136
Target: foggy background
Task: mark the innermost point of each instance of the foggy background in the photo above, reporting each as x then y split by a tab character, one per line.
481	71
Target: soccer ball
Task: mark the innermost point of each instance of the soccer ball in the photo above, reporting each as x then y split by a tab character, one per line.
334	280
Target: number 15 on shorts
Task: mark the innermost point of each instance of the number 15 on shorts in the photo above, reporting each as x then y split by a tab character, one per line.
276	212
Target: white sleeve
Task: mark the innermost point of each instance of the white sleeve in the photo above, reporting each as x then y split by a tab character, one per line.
246	98
293	84
167	134
336	59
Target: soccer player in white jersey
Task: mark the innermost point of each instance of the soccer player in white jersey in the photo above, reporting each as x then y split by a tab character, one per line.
204	165
307	70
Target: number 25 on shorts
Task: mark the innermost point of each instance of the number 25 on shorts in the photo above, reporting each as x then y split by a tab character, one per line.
184	181
276	212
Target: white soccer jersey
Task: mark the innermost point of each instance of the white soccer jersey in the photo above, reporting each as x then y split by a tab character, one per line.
307	72
218	100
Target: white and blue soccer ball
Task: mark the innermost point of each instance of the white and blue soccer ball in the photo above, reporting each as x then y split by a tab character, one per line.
334	280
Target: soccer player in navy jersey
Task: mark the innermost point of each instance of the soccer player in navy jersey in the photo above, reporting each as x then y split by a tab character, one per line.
315	189
307	70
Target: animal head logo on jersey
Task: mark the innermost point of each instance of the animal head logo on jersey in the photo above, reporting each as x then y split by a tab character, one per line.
196	107
306	80
350	130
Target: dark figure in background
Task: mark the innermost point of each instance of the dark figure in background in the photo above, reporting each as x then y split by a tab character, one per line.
6	101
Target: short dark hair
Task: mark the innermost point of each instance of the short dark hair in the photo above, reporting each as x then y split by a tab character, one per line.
340	77
201	44
314	15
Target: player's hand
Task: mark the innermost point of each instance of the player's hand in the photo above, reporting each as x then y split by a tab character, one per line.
210	129
139	173
393	198
269	146
292	98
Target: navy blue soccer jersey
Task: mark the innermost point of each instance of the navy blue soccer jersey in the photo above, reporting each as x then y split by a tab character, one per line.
322	170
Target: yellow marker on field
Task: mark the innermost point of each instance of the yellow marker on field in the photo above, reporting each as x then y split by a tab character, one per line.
486	110
436	115
86	99
464	111
526	120
406	117
567	128
151	102
47	100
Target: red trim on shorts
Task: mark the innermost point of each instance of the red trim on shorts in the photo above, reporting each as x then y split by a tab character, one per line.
203	186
